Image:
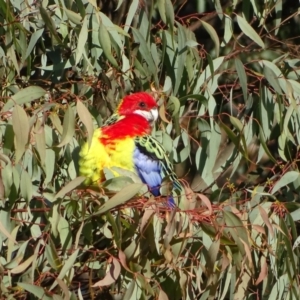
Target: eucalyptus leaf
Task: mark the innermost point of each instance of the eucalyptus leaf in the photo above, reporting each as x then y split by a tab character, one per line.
249	31
24	96
68	127
21	129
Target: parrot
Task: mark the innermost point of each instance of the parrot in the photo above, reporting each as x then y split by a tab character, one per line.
125	141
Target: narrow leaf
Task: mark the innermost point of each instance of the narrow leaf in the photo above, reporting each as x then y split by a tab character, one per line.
131	13
26	186
40	140
86	119
69	264
124	195
286	179
144	50
24	96
21	129
105	42
242	76
73	17
249	31
6	233
130	289
83	35
214	36
38	291
23	266
68	127
49	23
69	187
236	123
33	40
170	17
265	218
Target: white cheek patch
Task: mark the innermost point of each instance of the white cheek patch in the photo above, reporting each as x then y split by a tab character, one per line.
150	116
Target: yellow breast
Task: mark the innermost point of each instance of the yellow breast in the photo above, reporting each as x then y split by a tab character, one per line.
118	153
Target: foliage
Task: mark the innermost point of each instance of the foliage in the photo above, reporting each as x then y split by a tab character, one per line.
229	106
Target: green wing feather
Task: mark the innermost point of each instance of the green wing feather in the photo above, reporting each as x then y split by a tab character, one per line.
114	118
155	150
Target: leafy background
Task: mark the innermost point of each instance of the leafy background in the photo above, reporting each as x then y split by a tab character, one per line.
226	75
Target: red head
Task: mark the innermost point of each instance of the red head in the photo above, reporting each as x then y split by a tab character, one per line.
139	103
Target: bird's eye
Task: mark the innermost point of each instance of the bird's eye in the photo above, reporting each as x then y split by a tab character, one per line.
142	104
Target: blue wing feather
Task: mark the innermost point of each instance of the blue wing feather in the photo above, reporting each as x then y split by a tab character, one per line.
150	171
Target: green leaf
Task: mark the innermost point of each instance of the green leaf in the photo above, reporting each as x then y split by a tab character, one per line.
120	198
39	134
286	179
271	77
208	73
236	229
4	231
73	17
68	265
24	265
176	105
213	255
131	13
242	77
265	146
115	31
145	51
49	23
26	186
68	127
69	187
105	43
24	96
288	245
236	123
167	85
170	17
232	136
49	165
278	18
214	36
249	31
296	216
86	119
115	184
120	2
161	5
65	233
181	56
7	179
38	291
21	129
228	32
11	52
83	35
52	256
56	122
130	291
33	40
